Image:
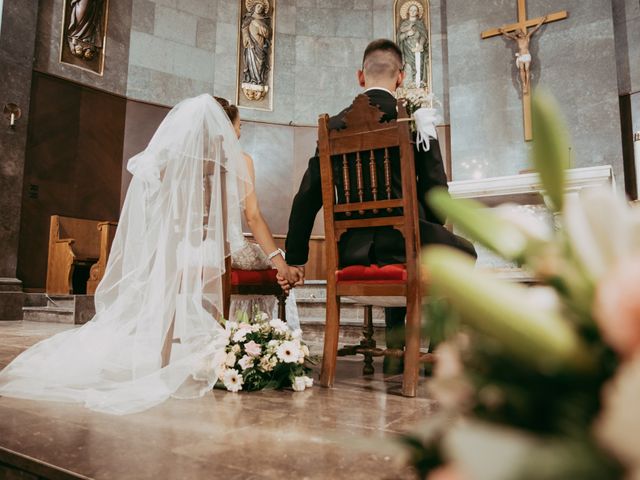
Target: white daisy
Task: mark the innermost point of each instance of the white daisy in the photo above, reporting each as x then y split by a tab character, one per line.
289	352
233	380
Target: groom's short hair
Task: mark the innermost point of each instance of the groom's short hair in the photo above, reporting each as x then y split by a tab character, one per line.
382	57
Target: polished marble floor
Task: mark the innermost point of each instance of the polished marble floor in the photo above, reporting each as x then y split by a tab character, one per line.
344	432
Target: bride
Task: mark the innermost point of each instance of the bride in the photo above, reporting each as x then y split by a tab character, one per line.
181	218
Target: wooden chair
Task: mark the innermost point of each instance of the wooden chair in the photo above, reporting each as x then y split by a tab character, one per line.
74	246
253	282
367	143
107	232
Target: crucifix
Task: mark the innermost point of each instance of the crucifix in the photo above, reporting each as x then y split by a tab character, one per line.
520	33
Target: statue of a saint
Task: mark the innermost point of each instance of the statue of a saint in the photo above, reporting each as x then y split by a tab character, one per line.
84	33
256	43
413	40
522	37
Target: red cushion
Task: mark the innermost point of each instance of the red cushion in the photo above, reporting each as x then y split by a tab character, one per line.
372	273
254	277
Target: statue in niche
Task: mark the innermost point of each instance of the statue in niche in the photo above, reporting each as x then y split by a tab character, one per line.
84	32
413	40
256	37
522	37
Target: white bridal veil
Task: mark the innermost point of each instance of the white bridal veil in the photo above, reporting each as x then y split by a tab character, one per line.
166	265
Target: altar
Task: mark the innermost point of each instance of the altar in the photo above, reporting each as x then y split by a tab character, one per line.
524	193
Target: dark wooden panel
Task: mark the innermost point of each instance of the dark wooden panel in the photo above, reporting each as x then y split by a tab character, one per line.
73	164
626	125
142	120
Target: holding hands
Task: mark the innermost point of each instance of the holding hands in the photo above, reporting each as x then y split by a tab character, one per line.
290	277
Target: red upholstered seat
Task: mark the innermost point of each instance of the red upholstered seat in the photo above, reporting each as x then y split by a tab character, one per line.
372	273
254	277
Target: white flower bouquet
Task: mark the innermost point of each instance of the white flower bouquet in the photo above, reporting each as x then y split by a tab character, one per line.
263	353
420	106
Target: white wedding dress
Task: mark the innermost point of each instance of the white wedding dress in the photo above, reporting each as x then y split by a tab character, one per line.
181	218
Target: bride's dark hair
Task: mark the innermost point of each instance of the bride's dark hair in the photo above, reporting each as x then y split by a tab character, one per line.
230	110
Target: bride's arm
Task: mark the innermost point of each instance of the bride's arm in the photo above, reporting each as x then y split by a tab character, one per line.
261	231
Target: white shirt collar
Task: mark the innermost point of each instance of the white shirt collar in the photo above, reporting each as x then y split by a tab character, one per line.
381	88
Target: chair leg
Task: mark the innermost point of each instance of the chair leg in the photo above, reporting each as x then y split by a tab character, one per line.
412	349
282	307
368	342
331	333
168	343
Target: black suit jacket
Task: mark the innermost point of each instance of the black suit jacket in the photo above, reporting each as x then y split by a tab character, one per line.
381	245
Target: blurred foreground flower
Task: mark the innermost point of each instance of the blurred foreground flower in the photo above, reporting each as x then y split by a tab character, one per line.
617	307
618	427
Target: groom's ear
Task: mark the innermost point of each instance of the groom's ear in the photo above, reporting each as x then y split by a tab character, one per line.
361	81
400	79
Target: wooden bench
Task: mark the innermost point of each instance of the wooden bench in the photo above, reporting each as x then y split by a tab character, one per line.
75	247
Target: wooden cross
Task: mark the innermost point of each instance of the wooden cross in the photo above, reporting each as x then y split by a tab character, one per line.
522	25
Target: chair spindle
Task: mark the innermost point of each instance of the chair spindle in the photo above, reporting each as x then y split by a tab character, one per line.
346	181
387	176
374	178
360	180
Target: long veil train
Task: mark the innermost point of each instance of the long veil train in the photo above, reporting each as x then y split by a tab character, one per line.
168	256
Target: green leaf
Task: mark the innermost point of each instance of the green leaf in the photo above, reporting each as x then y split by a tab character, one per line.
502	310
478	222
551	148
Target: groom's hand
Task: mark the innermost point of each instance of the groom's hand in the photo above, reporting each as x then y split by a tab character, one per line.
300	274
290	277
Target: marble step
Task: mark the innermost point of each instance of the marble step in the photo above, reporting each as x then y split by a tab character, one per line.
69	309
48	314
61	301
311	299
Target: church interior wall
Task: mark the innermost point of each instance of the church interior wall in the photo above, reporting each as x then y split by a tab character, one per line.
160	51
574	59
72	167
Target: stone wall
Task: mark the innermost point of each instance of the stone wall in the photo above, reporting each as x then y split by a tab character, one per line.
16	61
574	59
182	48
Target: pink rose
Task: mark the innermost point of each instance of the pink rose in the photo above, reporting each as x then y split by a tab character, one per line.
617	307
252	348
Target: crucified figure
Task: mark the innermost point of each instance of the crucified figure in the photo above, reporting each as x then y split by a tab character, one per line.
522	36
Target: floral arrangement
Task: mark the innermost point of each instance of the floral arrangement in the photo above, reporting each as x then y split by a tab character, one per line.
263	353
537	382
419	104
416	97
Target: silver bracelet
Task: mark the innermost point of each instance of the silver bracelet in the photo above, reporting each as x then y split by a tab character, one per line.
275	253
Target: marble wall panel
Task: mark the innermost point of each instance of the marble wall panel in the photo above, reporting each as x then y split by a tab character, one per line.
573	59
114	79
17	44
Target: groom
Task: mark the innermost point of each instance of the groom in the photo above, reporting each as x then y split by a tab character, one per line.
380	76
